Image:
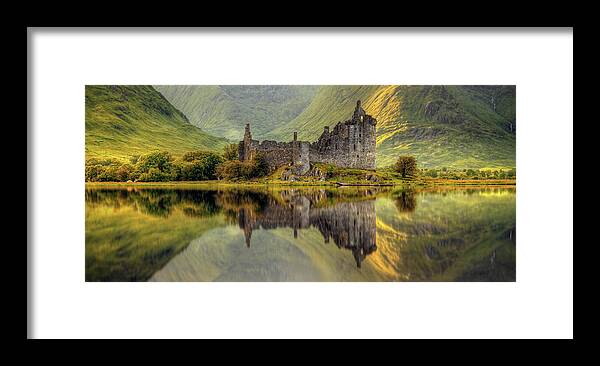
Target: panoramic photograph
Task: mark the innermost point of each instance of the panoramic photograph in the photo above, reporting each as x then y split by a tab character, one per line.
300	183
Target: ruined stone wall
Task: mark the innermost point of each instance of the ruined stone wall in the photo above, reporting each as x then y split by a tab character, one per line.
350	144
276	153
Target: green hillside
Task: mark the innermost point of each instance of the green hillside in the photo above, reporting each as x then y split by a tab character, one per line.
121	121
224	110
451	126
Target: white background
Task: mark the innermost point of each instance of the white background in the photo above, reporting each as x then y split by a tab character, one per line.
539	304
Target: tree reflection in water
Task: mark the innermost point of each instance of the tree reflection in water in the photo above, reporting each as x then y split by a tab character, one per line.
344	216
434	234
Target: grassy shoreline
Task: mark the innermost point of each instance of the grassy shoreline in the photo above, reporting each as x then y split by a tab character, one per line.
415	183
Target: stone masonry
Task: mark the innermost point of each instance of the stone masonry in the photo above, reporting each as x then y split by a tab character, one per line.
350	144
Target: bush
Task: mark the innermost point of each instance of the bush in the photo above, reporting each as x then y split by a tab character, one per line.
230	170
406	166
259	166
230	152
433	173
198	165
234	169
101	170
155	175
123	172
162	161
155	167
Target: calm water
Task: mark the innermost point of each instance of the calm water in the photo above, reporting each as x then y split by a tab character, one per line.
300	234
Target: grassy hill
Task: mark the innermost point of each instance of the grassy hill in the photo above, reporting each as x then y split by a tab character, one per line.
451	126
442	126
224	110
121	121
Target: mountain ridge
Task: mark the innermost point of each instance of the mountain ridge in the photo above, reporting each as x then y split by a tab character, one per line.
121	121
224	110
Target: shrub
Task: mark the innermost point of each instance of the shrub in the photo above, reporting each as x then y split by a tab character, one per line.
235	169
160	160
259	166
198	165
155	175
433	173
230	152
154	167
230	170
97	170
123	173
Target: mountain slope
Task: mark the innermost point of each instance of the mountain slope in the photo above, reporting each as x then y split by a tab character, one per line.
121	121
224	110
452	126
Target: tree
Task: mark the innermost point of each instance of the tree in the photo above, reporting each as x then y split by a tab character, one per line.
259	166
154	167
123	173
230	170
406	166
198	165
230	152
235	169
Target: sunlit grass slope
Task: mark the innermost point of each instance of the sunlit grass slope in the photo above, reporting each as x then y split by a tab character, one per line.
224	110
451	126
121	121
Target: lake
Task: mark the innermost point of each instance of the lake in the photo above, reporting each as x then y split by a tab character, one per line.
277	233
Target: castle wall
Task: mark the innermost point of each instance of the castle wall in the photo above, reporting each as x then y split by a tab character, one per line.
276	153
350	144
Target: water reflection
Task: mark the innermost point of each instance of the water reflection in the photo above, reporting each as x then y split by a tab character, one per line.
254	234
350	225
405	200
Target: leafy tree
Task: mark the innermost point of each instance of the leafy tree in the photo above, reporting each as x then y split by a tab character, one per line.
154	167
259	166
92	172
160	160
406	166
155	175
230	152
199	165
123	172
235	169
230	170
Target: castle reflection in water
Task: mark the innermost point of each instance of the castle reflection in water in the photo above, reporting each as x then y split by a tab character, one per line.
349	225
345	217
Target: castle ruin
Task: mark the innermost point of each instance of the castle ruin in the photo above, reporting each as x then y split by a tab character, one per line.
350	144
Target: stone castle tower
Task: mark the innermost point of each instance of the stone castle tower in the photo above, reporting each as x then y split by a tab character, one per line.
349	144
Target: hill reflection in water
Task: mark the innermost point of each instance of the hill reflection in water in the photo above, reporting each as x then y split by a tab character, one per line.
285	234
